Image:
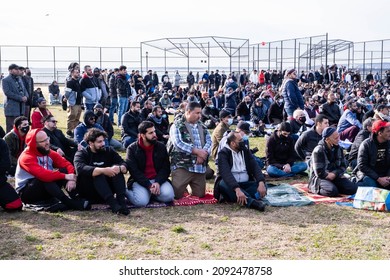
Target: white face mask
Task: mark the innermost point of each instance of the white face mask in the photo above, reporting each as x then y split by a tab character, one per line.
230	121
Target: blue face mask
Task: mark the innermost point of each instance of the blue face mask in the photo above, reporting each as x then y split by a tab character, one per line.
164	116
230	121
245	137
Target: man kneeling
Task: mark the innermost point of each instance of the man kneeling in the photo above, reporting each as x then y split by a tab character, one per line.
100	172
149	168
240	179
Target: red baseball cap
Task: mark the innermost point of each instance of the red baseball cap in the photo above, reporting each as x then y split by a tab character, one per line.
378	125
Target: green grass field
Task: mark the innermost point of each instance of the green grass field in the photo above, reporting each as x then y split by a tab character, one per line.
219	231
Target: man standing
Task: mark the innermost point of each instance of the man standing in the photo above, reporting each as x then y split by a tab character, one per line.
218	79
113	95
41	173
29	85
373	161
148	163
16	96
189	155
291	94
74	97
240	178
328	166
90	88
123	91
100	173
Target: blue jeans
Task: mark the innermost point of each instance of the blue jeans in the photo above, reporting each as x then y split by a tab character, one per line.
140	196
248	188
259	161
296	168
368	182
127	141
113	108
123	101
88	106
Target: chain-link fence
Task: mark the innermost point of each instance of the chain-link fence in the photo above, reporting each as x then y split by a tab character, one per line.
197	54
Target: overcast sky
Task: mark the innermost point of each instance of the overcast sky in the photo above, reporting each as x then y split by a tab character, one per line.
127	23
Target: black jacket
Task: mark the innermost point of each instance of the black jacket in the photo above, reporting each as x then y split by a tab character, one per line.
112	86
85	162
280	150
332	112
130	122
307	142
360	137
122	86
367	156
105	122
225	164
136	162
58	140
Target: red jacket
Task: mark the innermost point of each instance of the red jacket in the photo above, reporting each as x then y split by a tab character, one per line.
32	164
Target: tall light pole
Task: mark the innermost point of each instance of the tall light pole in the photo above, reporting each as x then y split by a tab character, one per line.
147	58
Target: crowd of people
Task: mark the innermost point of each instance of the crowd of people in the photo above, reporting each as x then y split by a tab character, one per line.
316	124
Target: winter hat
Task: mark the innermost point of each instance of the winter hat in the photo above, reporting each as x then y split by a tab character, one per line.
328	132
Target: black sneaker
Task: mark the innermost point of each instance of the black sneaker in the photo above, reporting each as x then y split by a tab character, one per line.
258	205
117	209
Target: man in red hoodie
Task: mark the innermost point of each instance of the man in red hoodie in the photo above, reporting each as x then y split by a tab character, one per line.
149	167
41	173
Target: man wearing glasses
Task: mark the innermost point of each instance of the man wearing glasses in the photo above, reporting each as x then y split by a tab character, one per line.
41	173
58	141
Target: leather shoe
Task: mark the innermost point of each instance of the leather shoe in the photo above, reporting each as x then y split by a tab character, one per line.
258	205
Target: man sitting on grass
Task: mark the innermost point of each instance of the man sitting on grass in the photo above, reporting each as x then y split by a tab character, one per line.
240	179
100	172
327	167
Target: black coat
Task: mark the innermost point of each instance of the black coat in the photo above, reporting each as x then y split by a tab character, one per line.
136	162
225	164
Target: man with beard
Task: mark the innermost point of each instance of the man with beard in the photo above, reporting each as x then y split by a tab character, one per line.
240	178
100	172
148	164
41	173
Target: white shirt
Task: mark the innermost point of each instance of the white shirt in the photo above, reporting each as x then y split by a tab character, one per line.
239	168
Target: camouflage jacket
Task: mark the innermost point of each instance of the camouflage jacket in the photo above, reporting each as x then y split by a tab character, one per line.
180	159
